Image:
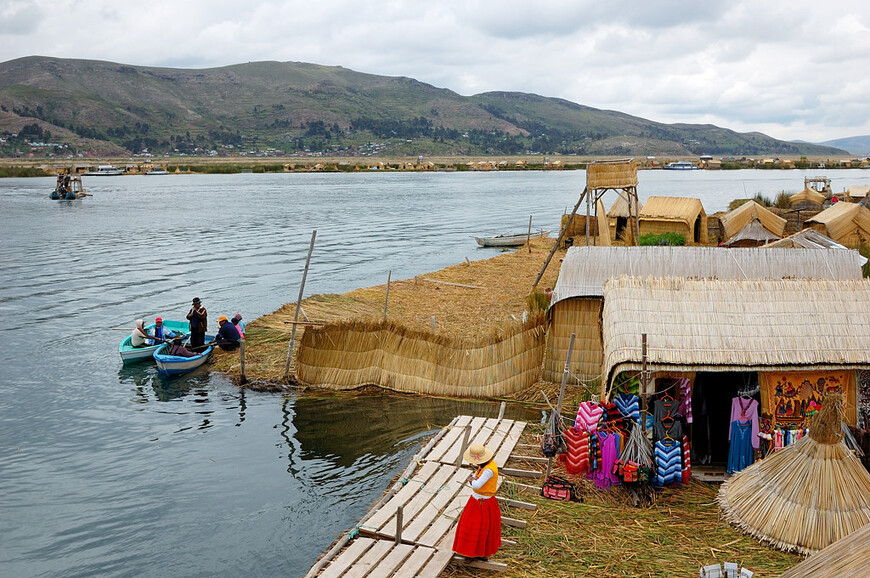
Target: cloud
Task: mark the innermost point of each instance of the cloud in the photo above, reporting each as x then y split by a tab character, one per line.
793	69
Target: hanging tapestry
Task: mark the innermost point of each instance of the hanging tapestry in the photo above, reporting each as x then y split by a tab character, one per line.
791	397
864	399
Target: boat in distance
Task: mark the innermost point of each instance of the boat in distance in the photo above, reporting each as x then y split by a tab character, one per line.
517	240
68	188
105	171
680	166
130	354
171	365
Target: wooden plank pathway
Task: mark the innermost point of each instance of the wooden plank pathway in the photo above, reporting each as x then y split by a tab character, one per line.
425	507
501	436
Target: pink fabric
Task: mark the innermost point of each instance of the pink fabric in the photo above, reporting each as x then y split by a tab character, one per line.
745	410
588	415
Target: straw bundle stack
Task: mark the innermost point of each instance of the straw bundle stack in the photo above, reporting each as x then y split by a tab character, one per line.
348	355
611	174
806	496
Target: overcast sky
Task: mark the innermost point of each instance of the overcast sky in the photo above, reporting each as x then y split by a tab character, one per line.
793	69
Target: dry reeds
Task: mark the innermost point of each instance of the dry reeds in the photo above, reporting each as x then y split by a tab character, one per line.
611	174
845	223
806	496
743	215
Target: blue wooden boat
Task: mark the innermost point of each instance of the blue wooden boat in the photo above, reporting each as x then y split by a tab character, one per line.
170	365
130	354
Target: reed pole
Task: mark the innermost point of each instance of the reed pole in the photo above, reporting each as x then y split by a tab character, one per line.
644	380
558	410
529	237
299	305
464	445
387	296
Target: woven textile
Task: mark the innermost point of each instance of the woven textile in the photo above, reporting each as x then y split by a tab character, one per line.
669	458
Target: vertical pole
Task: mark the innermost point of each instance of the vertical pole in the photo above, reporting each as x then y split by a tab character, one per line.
565	373
588	211
644	379
387	296
561	236
529	237
433	324
464	445
501	411
243	380
299	305
399	521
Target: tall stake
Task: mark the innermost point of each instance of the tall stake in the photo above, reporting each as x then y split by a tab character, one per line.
529	237
387	296
562	392
299	306
559	240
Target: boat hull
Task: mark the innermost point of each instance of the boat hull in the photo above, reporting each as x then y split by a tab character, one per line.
171	365
130	354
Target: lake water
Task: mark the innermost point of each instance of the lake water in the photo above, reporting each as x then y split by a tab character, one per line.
109	470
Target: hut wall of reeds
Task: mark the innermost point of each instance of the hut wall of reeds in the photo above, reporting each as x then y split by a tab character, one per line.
728	325
743	215
681	215
349	355
619	174
620	222
845	223
581	317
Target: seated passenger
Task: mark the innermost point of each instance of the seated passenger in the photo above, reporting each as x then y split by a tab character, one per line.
139	337
178	348
228	336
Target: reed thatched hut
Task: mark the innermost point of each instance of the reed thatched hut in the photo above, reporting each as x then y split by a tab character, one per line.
808	199
845	223
795	340
804	497
681	215
736	220
576	306
621	218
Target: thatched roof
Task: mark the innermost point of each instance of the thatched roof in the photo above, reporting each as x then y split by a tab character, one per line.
845	557
683	209
806	496
584	270
611	174
620	207
857	192
807	239
753	233
737	219
736	325
808	195
843	220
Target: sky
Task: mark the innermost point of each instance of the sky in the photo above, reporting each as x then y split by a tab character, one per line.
795	70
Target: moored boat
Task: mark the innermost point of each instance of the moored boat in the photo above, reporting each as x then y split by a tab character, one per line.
157	171
680	166
105	171
170	365
517	240
130	354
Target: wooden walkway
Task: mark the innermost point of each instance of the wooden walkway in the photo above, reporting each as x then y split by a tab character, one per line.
411	533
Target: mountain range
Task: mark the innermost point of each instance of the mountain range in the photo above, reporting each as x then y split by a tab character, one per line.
856	145
105	108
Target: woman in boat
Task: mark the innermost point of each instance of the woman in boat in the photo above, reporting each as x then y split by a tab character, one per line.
478	534
177	348
139	336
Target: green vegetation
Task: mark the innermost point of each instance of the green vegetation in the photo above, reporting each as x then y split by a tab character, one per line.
864	250
662	239
537	300
782	201
22	172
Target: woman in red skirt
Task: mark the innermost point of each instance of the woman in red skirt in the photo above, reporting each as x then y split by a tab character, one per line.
478	534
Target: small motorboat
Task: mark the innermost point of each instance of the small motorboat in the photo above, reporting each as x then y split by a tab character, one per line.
68	188
130	354
517	240
105	171
171	365
680	166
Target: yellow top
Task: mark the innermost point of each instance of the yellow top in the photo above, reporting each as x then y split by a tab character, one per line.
488	489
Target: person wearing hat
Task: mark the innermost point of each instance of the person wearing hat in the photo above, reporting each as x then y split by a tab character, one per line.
478	534
228	336
198	318
139	335
237	321
177	348
160	332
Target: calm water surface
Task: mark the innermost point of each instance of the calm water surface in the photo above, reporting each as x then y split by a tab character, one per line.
109	470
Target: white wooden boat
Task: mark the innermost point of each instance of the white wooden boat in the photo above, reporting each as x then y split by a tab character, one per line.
170	365
517	240
105	171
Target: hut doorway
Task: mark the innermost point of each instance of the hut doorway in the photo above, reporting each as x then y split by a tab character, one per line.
712	393
697	230
621	224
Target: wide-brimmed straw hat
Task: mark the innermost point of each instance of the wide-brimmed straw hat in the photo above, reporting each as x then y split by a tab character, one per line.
477	454
805	496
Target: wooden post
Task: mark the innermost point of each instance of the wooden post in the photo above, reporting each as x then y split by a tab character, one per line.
565	373
501	411
588	207
299	305
559	239
644	379
387	296
529	237
243	379
464	445
399	516
433	324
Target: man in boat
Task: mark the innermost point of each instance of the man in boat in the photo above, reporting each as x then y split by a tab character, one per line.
139	337
177	348
228	336
198	318
160	332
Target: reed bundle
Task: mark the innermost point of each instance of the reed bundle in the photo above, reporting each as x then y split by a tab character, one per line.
611	174
806	496
352	354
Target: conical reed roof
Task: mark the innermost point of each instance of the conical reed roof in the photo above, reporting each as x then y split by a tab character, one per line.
805	496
